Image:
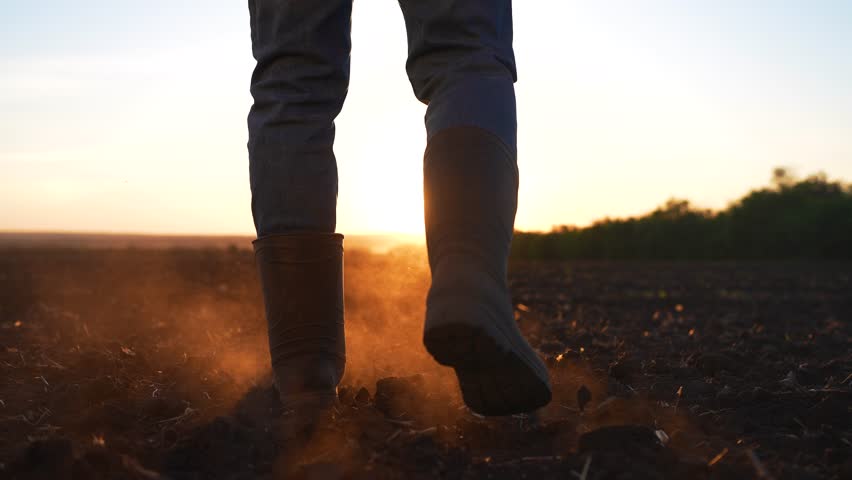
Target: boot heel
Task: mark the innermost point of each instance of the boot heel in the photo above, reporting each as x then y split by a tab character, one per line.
498	372
457	333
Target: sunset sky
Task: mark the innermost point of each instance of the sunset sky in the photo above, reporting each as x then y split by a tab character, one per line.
130	116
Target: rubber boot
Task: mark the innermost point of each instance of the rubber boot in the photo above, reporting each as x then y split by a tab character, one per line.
302	280
471	186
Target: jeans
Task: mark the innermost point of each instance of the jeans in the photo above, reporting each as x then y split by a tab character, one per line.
460	63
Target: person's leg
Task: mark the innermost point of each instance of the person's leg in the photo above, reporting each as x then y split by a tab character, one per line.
461	64
299	85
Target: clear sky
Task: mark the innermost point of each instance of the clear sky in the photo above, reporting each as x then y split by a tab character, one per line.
130	116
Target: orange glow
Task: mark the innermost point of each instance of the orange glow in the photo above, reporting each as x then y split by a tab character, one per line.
718	457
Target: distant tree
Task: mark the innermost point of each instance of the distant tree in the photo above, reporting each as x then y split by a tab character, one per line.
810	218
782	177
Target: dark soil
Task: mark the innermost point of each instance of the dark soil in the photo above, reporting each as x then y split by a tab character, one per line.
152	364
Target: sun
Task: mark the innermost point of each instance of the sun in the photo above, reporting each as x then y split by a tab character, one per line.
381	182
395	208
392	204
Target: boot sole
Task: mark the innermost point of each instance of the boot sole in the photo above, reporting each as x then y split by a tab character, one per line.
498	372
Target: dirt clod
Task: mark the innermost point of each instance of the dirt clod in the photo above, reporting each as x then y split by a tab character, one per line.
584	396
362	398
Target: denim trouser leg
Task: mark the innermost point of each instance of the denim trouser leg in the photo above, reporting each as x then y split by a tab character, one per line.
461	63
299	85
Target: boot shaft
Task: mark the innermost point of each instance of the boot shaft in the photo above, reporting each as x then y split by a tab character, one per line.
302	281
470	180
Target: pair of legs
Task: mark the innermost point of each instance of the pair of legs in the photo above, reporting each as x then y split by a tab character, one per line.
461	64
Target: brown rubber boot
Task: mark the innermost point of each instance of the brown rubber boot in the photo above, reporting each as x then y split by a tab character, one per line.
302	280
471	188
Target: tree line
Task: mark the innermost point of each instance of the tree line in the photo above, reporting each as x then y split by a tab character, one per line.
792	218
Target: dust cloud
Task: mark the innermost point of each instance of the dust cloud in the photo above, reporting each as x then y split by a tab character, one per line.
197	314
